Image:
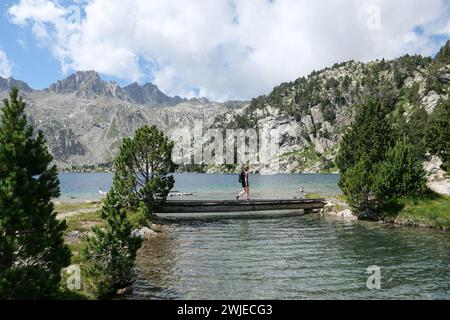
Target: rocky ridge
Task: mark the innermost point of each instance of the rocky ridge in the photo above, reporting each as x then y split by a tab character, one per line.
313	112
85	118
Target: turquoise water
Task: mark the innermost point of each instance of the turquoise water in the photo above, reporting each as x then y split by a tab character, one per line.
273	256
297	257
85	186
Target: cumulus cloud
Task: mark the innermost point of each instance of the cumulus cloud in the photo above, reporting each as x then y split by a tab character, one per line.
5	65
228	49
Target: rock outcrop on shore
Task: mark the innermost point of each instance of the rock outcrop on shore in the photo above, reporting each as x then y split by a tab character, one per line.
438	179
312	113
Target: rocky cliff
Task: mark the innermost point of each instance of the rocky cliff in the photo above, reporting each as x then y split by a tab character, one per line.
85	118
312	112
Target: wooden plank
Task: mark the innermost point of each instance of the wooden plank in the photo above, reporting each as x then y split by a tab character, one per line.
192	206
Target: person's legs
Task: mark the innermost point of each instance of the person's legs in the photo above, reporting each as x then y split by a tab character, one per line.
240	194
247	191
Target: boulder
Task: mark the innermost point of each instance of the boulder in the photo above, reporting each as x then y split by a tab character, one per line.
144	233
347	214
124	291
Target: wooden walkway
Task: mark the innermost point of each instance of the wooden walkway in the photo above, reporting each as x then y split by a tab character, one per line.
193	206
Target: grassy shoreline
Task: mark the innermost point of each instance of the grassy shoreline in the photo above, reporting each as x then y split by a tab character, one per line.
432	213
81	217
426	213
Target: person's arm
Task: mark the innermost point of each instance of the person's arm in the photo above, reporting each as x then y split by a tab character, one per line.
246	178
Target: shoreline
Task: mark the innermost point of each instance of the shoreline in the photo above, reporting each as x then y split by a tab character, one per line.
82	216
335	208
415	216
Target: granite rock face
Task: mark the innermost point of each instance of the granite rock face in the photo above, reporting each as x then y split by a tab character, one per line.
85	118
312	113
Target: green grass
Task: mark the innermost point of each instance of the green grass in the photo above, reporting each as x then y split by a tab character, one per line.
341	197
432	211
313	196
339	208
84	221
425	212
67	207
80	222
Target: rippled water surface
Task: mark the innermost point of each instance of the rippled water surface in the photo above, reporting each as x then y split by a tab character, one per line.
274	256
292	257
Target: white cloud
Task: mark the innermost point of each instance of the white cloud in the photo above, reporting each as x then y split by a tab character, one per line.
226	49
5	65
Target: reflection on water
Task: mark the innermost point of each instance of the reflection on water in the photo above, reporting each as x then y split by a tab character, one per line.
249	256
296	257
156	265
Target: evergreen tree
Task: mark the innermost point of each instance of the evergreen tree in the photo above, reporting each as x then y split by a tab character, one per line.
443	56
400	174
111	253
142	169
356	184
415	128
438	134
363	145
377	164
31	239
369	137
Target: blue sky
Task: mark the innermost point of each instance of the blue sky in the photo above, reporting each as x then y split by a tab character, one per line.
31	61
224	49
34	64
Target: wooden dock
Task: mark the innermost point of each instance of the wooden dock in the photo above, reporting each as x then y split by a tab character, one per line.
193	206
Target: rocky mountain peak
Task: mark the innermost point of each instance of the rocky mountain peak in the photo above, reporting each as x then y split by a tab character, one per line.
87	84
148	94
8	84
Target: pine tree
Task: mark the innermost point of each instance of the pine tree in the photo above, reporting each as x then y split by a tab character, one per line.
443	56
31	239
142	169
111	253
369	137
438	134
377	163
356	184
414	127
400	174
417	127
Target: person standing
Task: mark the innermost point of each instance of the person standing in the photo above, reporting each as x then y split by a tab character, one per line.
243	179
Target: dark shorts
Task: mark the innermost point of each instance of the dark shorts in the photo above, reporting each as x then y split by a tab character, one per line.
245	185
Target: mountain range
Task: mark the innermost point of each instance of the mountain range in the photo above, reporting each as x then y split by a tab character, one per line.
85	118
89	85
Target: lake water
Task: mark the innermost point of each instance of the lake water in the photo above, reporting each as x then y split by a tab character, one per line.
297	257
85	186
289	256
